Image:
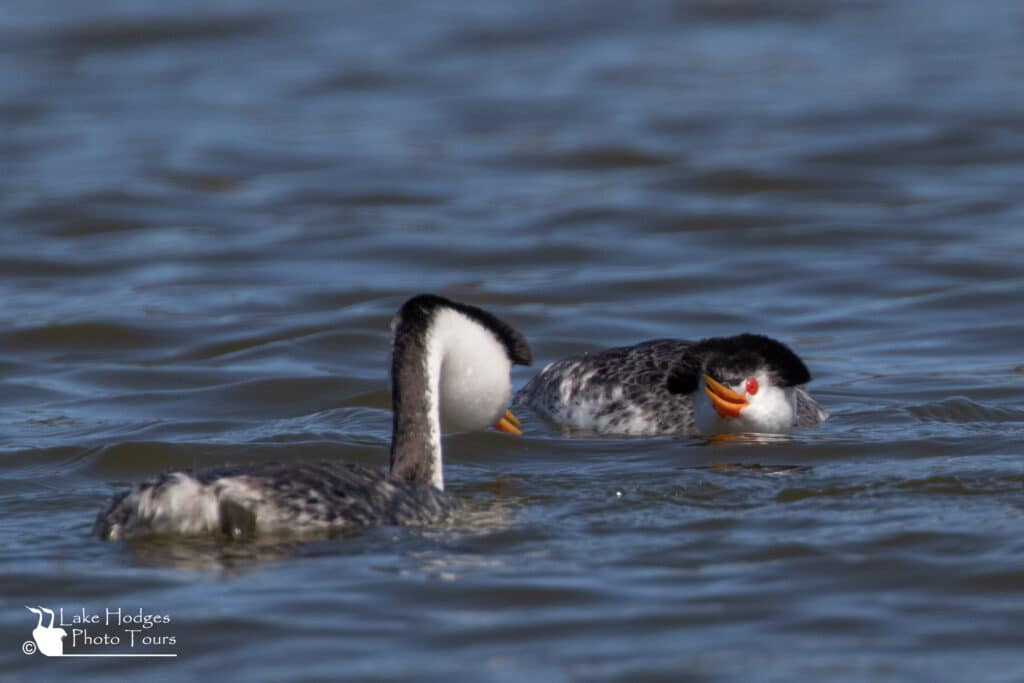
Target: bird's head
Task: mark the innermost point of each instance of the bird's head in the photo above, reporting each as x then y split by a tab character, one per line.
745	383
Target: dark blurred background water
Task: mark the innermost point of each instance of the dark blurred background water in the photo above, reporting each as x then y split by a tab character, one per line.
209	212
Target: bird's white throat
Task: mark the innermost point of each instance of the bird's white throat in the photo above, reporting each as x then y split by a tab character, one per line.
772	410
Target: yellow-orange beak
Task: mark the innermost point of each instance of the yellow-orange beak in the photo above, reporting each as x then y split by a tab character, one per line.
726	401
509	423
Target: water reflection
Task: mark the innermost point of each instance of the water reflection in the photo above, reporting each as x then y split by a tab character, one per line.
749	438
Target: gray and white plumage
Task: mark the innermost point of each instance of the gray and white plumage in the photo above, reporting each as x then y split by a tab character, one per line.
658	387
239	500
450	365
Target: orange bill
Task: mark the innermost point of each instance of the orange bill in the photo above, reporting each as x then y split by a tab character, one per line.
726	401
509	423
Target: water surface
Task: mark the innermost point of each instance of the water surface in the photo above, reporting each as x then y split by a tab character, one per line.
208	215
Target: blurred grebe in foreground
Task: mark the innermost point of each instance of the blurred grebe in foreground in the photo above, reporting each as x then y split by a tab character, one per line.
746	383
450	368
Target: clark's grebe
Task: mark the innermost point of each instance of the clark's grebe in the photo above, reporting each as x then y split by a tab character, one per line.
449	369
746	383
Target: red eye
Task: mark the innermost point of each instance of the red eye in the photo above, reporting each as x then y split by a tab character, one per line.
752	386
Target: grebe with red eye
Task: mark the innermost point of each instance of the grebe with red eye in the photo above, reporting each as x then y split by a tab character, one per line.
745	383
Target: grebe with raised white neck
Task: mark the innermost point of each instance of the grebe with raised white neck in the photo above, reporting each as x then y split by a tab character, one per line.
450	368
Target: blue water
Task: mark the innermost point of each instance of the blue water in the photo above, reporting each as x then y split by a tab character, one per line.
209	213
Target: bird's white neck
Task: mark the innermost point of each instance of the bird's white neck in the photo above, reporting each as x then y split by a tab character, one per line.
445	365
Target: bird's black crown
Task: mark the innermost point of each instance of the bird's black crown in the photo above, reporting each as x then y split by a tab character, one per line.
420	308
730	360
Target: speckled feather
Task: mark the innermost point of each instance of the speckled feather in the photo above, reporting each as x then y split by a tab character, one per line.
645	389
238	500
